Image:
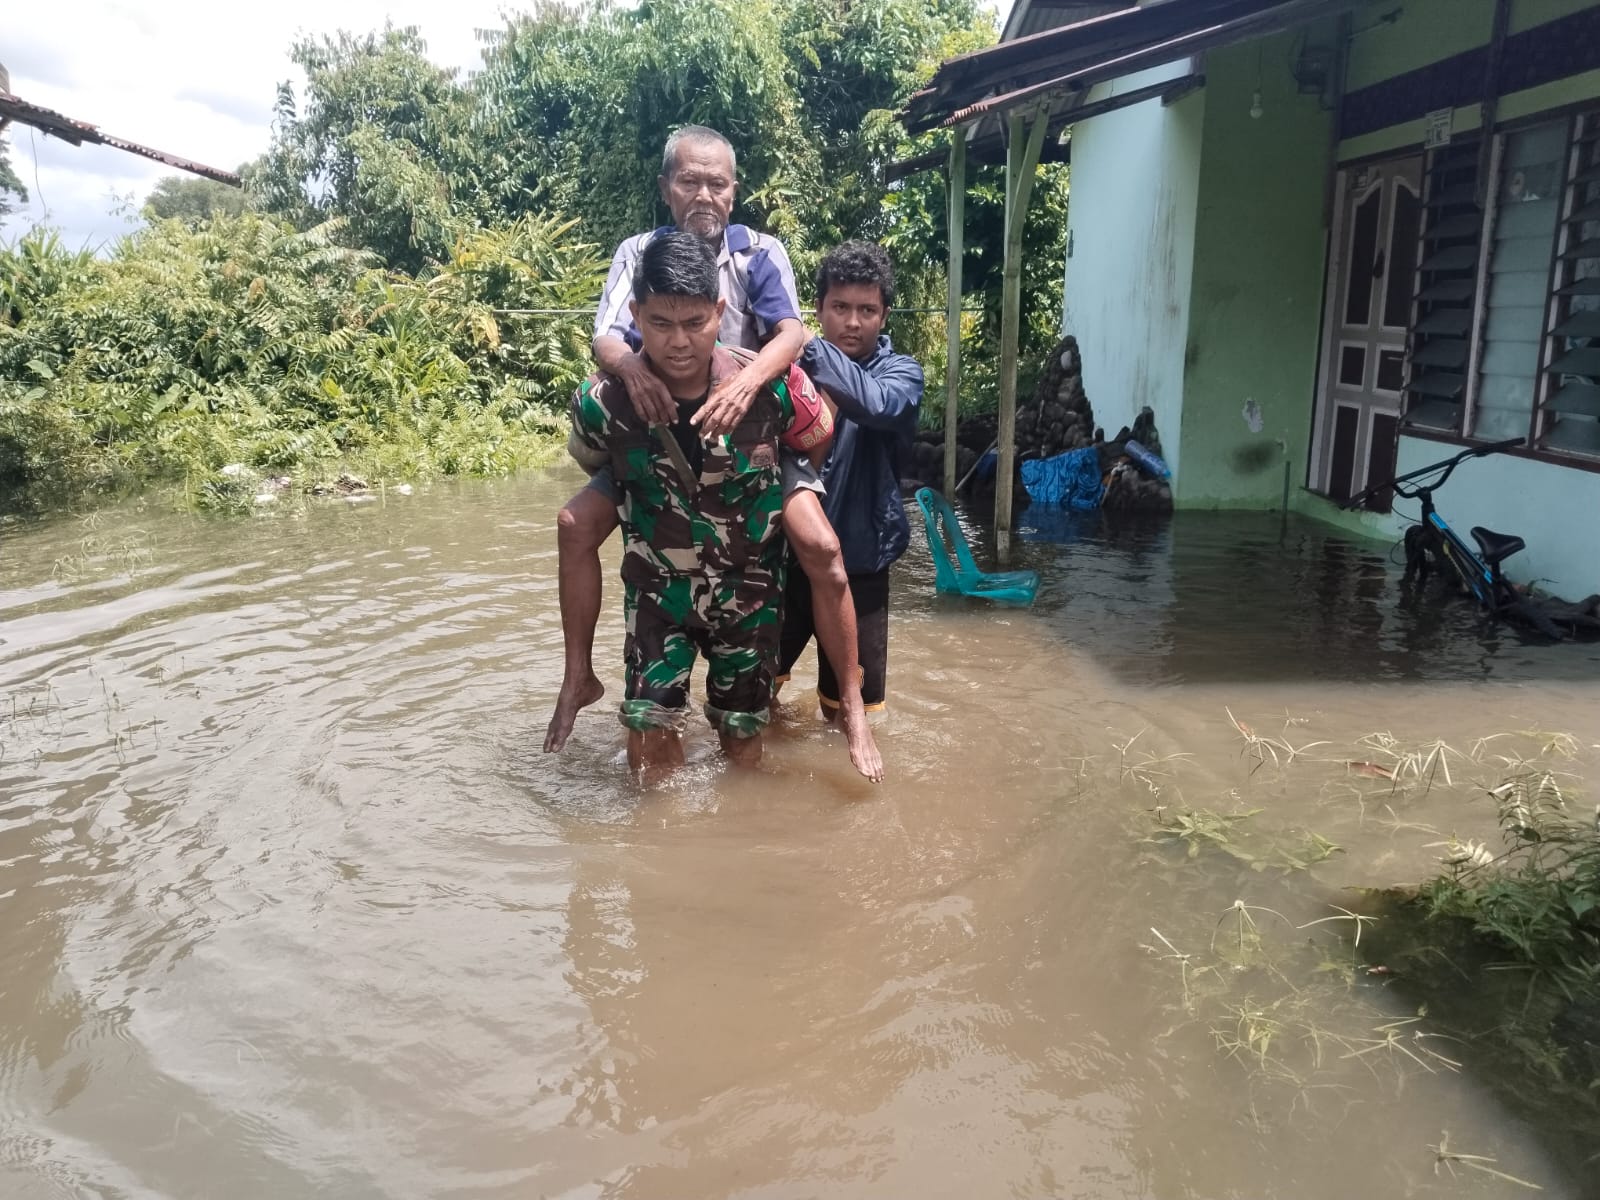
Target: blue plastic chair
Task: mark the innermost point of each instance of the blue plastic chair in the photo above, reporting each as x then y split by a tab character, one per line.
958	573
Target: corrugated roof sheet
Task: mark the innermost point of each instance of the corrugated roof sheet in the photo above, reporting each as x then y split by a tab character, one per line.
1036	16
68	129
1071	59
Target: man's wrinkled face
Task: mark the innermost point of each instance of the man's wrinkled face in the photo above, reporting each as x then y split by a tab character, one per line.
678	333
851	316
700	189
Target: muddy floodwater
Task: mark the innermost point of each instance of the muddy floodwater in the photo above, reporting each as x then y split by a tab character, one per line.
292	905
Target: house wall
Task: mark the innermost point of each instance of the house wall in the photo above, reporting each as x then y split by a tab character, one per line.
1196	274
1426	32
1256	303
1429	31
1130	254
1549	505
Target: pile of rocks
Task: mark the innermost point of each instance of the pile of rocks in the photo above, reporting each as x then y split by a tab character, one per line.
1057	418
926	468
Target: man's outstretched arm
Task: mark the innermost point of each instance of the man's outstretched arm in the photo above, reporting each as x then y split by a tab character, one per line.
887	401
770	279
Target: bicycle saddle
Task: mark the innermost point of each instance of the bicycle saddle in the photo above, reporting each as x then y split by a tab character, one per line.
1496	547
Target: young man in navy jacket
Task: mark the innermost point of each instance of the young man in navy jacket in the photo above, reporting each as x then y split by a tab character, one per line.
877	394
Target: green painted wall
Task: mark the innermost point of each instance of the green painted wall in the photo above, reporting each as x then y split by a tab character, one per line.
1427	31
1431	30
1525	14
1256	303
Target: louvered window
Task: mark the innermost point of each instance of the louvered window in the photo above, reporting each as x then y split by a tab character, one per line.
1447	278
1528	179
1570	379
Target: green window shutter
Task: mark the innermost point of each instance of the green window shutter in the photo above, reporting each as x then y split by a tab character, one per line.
1568	368
1439	340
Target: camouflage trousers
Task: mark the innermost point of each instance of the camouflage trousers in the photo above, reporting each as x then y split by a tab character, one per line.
740	645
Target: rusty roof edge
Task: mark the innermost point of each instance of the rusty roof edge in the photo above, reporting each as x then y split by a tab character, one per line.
978	70
996	56
75	132
1029	41
1282	15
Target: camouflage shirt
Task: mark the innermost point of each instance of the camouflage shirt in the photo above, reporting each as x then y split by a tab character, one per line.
705	550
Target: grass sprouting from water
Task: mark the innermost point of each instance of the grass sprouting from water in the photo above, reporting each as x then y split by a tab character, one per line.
1494	963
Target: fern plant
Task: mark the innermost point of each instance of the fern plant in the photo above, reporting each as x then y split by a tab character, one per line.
241	340
1539	898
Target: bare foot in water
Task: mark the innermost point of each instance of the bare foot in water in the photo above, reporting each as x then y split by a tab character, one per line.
573	696
864	754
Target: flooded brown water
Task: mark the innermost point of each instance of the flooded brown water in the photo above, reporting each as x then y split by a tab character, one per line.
291	905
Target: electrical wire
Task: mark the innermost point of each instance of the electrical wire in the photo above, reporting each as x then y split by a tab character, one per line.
33	146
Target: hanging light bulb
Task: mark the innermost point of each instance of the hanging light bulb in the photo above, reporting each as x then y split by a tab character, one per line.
1255	105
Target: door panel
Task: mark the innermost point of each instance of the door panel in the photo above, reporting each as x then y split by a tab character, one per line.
1372	280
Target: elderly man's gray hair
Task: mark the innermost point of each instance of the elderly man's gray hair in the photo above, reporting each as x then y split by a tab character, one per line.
693	133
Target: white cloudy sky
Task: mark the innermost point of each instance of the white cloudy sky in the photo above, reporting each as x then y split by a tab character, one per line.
195	78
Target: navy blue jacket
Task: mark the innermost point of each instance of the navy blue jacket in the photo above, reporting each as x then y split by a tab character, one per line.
878	401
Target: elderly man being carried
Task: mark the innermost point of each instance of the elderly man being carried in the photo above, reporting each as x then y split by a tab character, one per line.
760	313
703	561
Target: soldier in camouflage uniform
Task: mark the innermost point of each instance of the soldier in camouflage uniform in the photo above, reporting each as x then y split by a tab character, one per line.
703	563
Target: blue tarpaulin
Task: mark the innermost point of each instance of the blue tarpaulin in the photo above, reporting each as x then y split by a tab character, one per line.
1071	479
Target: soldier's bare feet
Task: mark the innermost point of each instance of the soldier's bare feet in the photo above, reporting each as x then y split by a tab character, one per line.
574	695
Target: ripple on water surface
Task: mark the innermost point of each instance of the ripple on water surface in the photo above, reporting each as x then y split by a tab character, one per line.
294	905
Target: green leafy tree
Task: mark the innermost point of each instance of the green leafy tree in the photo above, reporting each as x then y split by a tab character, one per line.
11	187
243	340
370	307
192	198
578	102
374	141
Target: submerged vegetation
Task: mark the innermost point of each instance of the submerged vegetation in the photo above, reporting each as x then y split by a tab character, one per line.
358	307
1538	899
1491	965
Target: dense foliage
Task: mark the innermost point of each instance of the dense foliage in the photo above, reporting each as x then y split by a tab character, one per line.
1539	900
349	307
11	187
191	198
244	341
575	101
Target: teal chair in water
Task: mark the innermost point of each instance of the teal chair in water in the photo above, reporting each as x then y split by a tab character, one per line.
954	571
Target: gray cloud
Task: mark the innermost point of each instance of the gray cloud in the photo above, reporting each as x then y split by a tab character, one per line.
30	56
255	111
75	190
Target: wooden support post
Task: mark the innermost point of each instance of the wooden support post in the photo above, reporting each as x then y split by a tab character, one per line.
1022	156
957	207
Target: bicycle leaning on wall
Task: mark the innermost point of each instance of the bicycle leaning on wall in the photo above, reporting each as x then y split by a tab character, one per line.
1431	544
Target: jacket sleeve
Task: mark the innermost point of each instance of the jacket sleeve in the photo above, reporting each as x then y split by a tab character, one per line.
810	422
887	401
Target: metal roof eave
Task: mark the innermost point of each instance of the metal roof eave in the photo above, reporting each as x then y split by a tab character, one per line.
989	147
76	133
1075	57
